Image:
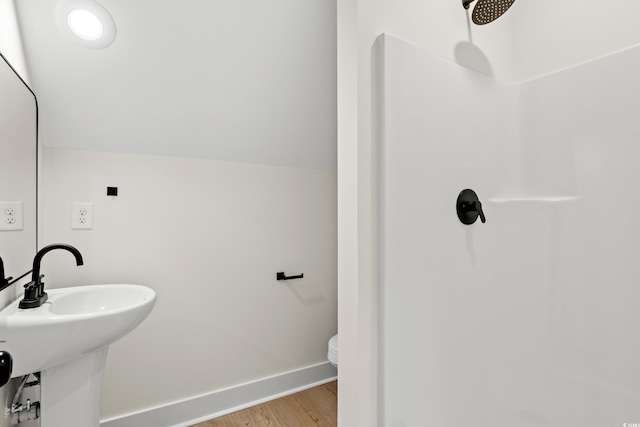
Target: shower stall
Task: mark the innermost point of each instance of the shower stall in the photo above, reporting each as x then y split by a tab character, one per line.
531	318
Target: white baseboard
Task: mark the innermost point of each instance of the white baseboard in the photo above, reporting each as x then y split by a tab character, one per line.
222	402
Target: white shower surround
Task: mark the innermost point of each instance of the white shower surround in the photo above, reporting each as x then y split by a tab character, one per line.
528	319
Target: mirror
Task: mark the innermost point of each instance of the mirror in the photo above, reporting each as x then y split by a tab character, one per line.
18	173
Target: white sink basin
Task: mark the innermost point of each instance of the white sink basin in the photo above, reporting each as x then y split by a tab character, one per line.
73	321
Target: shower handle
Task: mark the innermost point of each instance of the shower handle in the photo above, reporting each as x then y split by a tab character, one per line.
477	207
480	211
469	207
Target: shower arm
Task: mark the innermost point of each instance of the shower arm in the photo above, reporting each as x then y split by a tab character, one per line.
467	3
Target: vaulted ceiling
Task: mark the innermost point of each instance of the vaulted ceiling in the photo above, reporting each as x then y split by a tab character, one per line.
237	80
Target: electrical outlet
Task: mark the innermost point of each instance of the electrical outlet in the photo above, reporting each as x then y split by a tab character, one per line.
81	216
11	216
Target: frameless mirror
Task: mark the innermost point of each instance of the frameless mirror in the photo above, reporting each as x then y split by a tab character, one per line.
18	171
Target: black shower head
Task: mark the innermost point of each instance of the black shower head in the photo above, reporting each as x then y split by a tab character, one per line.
487	11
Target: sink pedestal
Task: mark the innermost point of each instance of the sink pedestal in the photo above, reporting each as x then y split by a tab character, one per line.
70	393
66	339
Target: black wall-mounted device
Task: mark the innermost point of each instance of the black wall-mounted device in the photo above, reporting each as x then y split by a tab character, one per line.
469	207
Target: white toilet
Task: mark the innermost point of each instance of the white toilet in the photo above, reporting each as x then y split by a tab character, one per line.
332	354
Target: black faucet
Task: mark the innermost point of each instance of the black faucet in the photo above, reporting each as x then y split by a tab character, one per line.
34	294
4	281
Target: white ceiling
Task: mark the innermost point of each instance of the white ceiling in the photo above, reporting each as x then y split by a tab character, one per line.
238	80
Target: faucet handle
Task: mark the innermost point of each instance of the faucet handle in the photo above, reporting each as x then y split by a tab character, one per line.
478	206
30	291
33	284
34	295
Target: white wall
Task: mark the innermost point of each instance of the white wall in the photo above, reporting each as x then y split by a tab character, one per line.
550	35
209	237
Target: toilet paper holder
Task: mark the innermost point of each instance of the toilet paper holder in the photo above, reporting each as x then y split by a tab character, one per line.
281	276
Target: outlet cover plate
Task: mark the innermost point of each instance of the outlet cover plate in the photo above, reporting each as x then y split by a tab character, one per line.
11	216
81	216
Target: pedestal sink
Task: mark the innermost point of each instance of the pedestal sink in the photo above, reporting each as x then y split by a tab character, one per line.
67	339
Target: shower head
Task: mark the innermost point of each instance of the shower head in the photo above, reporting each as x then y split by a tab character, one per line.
487	11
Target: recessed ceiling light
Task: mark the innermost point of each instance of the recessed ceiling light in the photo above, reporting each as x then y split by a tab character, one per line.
85	24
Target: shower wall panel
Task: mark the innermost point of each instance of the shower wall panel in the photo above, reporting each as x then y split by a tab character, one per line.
529	319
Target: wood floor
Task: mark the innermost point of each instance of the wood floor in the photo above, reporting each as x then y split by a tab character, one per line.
314	407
